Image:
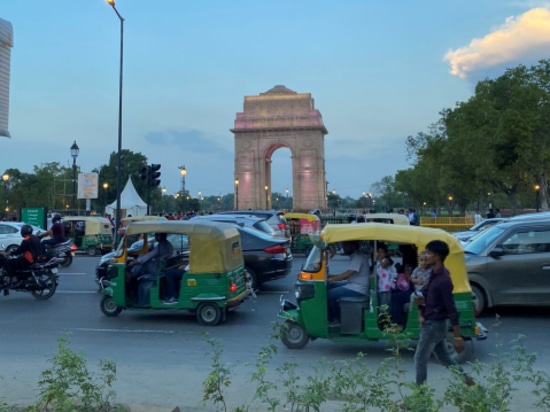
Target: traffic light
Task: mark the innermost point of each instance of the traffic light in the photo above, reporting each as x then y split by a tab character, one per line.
154	175
144	174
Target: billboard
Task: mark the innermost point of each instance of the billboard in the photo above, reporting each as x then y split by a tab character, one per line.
87	185
6	43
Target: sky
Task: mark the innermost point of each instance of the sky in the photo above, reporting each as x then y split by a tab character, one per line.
378	71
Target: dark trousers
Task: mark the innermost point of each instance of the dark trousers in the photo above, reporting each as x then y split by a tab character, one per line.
13	265
399	298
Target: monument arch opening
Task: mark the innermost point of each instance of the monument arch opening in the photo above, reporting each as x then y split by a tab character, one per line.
279	118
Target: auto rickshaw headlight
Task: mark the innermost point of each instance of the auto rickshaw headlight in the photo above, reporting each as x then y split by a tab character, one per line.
304	291
286	305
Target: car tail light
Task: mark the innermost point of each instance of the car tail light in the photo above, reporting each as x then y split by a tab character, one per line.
73	247
282	226
276	249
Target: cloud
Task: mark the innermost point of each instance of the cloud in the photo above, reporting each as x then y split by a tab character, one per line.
522	38
190	140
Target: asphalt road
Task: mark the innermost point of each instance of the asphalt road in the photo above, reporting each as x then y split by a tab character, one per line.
162	358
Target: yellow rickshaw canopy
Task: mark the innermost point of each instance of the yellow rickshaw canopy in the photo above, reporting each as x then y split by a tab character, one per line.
94	225
397	218
417	235
307	216
140	218
214	247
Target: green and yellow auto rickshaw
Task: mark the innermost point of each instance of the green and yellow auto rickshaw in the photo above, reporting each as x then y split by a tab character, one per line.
301	226
90	234
307	319
213	284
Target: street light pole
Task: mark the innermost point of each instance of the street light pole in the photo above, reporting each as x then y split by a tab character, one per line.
237	194
183	172
5	178
119	150
537	200
105	187
74	154
287	205
266	187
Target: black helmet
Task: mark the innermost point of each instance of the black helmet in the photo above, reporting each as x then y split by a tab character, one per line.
56	217
26	230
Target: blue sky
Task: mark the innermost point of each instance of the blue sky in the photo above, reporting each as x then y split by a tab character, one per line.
378	71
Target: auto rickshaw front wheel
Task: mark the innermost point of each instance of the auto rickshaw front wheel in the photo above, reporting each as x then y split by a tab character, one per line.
209	314
293	335
109	307
92	251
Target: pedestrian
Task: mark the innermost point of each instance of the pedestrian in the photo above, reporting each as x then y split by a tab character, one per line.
436	306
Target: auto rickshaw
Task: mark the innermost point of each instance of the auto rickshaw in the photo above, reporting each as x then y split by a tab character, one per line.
213	284
360	317
301	226
91	234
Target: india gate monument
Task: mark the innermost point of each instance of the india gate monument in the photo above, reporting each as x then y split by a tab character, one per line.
275	119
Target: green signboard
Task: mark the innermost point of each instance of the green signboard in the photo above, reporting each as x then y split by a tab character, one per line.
35	216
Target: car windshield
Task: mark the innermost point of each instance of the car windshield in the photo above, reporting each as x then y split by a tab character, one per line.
483	239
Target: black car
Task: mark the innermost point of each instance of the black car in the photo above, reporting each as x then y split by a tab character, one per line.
266	257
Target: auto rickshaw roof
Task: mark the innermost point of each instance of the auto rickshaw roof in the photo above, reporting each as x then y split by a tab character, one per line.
397	218
140	218
407	234
306	216
215	246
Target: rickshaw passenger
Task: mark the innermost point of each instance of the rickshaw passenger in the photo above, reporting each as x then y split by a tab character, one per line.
149	262
385	273
354	282
173	277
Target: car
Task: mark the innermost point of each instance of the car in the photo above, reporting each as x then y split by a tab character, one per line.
275	219
485	223
247	220
266	257
508	264
10	235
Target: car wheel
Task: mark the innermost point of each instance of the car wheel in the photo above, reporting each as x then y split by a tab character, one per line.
109	307
480	301
466	355
209	314
294	336
255	282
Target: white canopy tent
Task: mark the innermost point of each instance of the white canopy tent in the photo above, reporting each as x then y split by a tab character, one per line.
130	202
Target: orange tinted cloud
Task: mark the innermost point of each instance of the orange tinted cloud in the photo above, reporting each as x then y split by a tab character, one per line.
526	36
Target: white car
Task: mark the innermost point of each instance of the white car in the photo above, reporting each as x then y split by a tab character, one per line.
10	235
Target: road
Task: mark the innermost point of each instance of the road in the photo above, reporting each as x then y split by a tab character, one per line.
162	358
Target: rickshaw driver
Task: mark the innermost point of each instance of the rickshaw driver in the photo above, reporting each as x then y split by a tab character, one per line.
354	282
148	263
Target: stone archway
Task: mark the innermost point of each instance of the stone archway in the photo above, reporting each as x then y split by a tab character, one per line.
279	118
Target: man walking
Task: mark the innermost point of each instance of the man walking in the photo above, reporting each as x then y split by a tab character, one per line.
435	308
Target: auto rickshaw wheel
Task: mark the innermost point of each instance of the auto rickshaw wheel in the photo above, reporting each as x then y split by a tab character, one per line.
293	336
209	314
466	355
92	251
109	307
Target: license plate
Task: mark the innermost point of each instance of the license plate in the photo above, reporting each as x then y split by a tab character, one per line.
54	270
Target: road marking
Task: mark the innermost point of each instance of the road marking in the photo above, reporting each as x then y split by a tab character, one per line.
167	332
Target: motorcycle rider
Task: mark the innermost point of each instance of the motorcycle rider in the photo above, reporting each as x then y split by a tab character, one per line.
27	253
56	232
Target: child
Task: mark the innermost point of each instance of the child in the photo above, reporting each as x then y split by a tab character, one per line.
421	274
386	274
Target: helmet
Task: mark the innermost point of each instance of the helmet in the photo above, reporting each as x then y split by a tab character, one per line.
56	217
26	230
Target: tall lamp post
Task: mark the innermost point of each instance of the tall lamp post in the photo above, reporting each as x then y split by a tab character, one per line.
183	172
105	187
5	178
287	205
119	150
266	187
74	154
537	199
237	194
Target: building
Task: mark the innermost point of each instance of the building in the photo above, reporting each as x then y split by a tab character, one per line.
6	43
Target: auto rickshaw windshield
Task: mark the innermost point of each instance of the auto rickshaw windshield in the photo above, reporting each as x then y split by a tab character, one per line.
313	261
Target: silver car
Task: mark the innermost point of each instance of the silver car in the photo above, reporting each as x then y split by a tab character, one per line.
509	264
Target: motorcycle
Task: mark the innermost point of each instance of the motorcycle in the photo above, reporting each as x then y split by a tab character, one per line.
40	279
63	251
